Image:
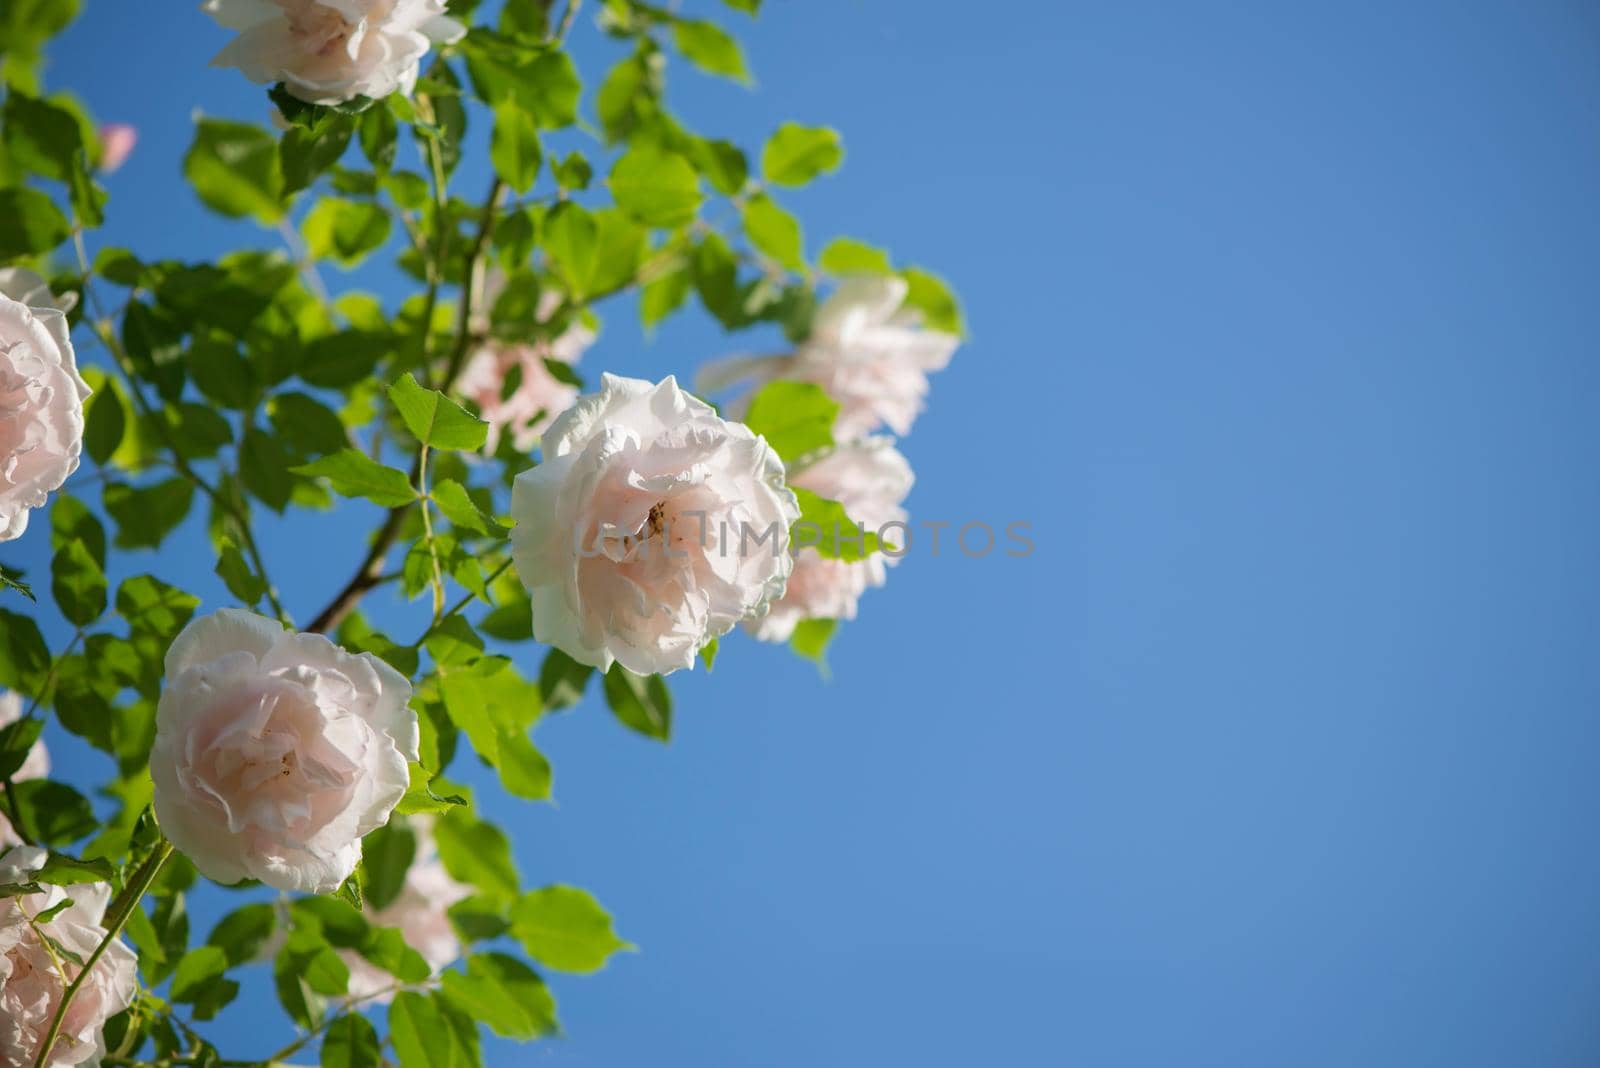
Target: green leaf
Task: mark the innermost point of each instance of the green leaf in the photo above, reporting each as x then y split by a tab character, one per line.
242	933
774	232
264	468
825	526
503	993
78	584
62	870
11	582
306	153
810	639
55	813
524	771
435	419
539	79
386	855
562	680
573	172
929	294
571	236
215	366
351	1042
514	146
642	702
234	168
565	928
194	969
41	137
459	508
353	474
795	417
24	658
153	608
722	162
708	654
305	424
710	47
796	154
476	853
418	1031
345	230
237	576
846	255
30	224
146	515
657	188
16	742
71	520
663	295
105	423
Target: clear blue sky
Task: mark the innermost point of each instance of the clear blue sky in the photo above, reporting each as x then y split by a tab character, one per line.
1281	747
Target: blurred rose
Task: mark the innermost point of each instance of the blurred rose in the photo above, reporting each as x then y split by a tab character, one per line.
275	752
868	351
536	396
422	913
116	144
871	479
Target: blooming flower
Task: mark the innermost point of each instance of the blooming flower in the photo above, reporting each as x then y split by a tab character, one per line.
528	409
870	478
275	752
34	974
41	398
638	534
116	145
331	51
35	765
866	350
422	913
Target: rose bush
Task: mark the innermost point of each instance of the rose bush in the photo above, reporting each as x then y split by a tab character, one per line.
343	758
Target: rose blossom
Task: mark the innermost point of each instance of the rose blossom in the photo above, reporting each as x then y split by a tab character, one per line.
275	752
41	398
34	975
330	51
116	145
871	479
420	911
629	533
539	397
35	765
866	350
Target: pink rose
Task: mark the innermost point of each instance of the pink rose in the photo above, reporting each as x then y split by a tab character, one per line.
871	479
41	398
35	766
275	752
637	534
116	145
33	975
529	408
866	350
422	913
330	51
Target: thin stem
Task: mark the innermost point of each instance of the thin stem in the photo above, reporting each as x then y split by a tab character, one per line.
427	533
116	918
567	18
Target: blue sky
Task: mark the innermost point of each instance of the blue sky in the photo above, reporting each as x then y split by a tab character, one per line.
1279	749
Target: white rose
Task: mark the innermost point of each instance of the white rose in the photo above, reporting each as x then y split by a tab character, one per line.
865	349
33	976
275	752
330	51
35	766
41	398
871	479
629	533
422	913
528	410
